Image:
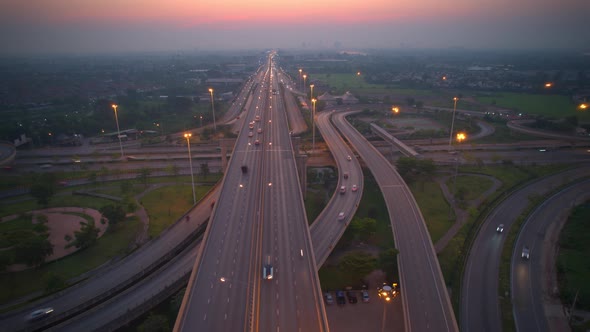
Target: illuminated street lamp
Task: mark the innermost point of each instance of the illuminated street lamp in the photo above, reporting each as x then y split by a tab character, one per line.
304	80
114	106
583	106
300	77
311	89
548	85
190	162
213	108
394	110
313	125
453	121
461	137
201	118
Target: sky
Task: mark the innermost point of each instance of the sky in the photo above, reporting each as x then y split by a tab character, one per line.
106	26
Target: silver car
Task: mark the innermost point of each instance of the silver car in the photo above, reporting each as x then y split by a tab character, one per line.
525	252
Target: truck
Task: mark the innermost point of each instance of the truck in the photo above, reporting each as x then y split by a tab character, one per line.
244	169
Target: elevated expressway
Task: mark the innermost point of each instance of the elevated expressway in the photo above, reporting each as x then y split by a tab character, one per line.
426	303
258	220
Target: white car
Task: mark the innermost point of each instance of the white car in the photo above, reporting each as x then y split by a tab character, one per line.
349	158
341	216
354	188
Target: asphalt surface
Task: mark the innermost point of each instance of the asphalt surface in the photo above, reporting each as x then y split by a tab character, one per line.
258	220
528	289
480	309
424	296
327	229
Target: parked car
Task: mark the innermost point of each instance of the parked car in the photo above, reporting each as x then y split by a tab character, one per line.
340	299
329	299
351	297
365	296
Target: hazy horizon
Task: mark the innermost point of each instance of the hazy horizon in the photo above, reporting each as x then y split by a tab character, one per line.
70	26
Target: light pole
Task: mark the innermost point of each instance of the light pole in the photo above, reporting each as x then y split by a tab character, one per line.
304	80
201	118
118	131
313	124
213	108
311	89
452	121
460	138
190	162
300	78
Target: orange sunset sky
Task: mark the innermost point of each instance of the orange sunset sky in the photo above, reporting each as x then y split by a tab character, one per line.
137	25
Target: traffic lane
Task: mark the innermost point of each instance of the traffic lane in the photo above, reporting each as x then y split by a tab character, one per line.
484	274
108	278
204	284
117	307
384	172
526	283
327	229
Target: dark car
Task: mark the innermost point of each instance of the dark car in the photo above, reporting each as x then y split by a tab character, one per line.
340	299
39	314
351	297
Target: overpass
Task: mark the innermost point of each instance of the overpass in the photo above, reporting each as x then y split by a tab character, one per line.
406	150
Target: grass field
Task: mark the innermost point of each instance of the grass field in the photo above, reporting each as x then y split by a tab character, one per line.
547	105
472	186
166	205
572	263
110	245
357	84
433	206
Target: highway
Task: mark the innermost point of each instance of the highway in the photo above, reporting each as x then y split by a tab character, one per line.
528	290
259	220
426	303
327	229
479	294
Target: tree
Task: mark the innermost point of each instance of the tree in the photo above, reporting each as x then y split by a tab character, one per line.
42	192
154	323
388	262
85	237
205	170
33	250
54	282
144	175
114	213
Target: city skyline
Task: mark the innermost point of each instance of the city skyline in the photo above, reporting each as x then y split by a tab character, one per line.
67	26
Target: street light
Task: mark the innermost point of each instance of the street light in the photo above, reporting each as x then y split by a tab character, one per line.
213	108
313	101
201	118
304	80
114	106
394	110
190	162
453	121
583	106
548	85
311	89
300	78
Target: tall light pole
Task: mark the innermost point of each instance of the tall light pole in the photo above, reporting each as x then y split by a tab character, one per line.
313	125
118	131
453	121
213	108
304	80
201	118
300	78
190	162
311	92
